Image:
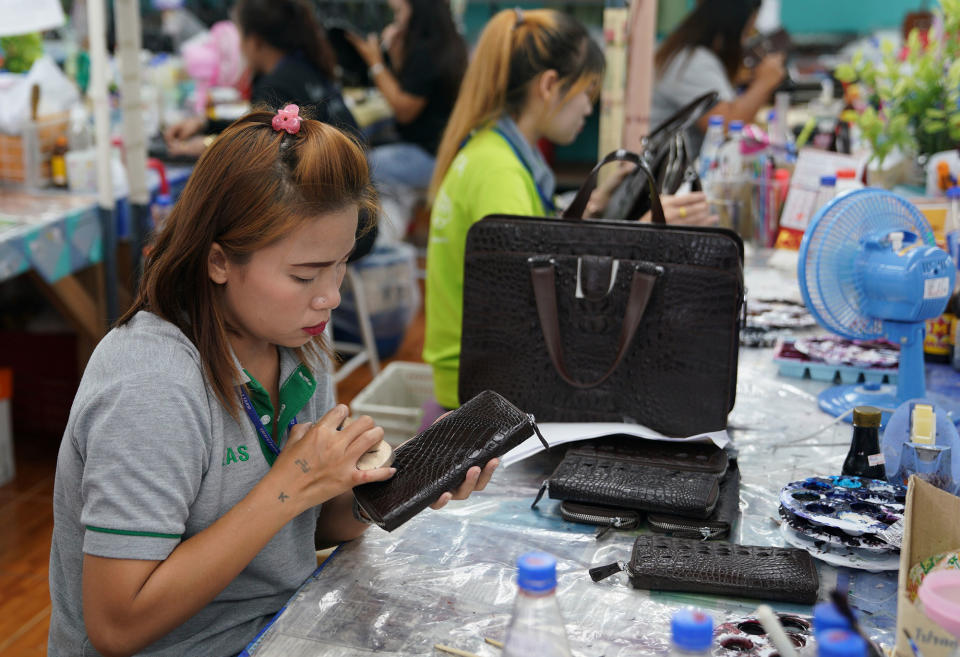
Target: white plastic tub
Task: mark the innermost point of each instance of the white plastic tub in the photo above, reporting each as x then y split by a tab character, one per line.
395	399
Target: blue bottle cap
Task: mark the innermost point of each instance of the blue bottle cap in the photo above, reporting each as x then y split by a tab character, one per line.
953	192
715	119
163	199
537	572
841	643
828	181
826	617
692	630
735	126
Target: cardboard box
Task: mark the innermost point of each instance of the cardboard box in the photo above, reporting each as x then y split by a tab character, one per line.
932	527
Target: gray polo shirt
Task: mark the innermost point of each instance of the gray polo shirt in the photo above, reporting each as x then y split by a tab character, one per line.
688	75
149	458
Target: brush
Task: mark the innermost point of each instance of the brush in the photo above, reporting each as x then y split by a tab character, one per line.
843	606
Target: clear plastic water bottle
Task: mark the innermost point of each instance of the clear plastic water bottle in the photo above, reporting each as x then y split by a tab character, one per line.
692	633
826	192
536	627
710	150
841	643
731	155
952	228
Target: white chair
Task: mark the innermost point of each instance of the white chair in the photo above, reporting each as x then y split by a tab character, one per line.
366	352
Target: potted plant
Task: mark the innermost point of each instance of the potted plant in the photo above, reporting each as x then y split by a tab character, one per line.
910	101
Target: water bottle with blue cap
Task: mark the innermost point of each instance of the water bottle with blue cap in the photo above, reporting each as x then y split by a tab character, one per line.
692	633
840	643
536	627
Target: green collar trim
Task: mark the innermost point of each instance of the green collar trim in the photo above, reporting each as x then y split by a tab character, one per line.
295	392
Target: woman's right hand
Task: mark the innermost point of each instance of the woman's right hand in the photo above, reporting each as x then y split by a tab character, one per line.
389	35
771	71
690	209
184	129
319	461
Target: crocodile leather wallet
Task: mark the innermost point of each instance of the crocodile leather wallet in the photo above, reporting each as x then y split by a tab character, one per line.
718	525
662	563
437	459
593	476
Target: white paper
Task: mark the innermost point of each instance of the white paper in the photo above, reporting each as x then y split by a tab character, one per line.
812	163
21	17
557	433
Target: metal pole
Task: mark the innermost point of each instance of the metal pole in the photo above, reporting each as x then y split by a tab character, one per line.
101	114
640	73
134	142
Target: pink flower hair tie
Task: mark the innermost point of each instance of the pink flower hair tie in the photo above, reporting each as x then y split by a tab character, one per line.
287	119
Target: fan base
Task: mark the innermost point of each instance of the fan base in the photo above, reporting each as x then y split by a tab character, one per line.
837	400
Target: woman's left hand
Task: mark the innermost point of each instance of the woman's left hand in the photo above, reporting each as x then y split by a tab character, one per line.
368	49
475	480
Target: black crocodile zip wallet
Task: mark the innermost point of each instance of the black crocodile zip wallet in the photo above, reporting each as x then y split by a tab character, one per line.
591	476
663	563
437	459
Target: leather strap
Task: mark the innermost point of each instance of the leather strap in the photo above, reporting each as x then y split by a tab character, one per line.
543	275
576	208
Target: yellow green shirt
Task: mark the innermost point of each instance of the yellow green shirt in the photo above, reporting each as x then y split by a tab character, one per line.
486	177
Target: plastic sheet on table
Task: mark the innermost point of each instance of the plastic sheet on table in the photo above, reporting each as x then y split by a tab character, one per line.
448	576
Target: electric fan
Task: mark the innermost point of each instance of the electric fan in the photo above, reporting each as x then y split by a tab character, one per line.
868	268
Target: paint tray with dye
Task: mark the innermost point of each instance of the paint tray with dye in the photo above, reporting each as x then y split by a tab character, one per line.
854	505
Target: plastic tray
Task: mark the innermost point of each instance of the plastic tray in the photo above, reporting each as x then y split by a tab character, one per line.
819	371
395	399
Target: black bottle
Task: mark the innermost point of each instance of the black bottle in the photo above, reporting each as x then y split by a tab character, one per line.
865	458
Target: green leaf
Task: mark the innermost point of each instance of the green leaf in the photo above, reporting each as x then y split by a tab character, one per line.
935	113
845	73
931	127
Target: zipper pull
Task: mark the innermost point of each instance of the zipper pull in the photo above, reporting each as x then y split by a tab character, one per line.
614	523
603	572
536	430
706	533
543	489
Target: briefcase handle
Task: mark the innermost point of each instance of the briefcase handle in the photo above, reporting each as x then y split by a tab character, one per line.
543	275
579	204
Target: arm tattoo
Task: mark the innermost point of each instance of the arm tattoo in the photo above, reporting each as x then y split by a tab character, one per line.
303	465
283	497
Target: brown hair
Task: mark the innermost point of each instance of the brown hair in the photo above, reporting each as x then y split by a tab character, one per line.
718	26
514	48
249	189
291	26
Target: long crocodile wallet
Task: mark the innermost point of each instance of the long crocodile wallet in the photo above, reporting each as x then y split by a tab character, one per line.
593	477
663	563
720	522
437	459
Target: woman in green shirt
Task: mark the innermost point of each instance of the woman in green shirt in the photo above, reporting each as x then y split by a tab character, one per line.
534	75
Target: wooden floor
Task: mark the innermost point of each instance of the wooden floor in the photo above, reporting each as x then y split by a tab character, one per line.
26	523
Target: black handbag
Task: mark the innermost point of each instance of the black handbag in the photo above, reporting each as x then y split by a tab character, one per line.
666	153
609	321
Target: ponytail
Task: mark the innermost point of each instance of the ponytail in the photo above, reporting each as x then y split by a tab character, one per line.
514	48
